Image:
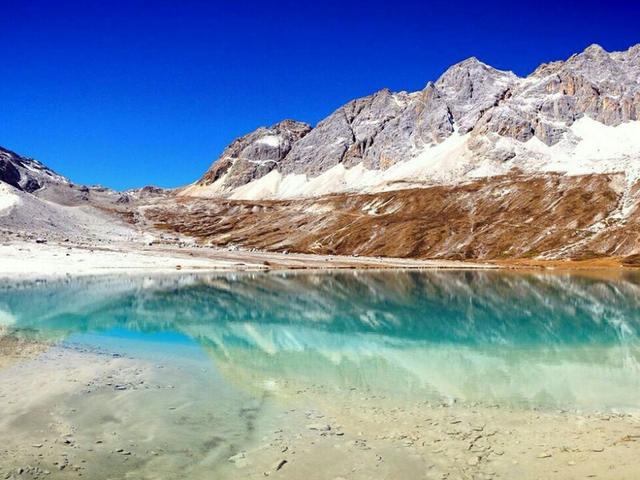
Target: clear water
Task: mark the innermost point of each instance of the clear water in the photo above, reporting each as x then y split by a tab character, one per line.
229	351
533	340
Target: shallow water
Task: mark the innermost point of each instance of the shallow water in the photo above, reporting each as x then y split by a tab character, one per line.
235	346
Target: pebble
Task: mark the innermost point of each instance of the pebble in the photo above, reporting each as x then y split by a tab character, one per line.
280	464
544	455
319	426
236	457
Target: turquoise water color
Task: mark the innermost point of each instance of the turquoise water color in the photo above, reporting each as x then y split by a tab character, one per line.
531	340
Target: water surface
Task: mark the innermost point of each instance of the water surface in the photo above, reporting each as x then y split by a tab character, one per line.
239	343
475	336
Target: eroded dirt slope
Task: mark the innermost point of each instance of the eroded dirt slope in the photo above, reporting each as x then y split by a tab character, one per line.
550	216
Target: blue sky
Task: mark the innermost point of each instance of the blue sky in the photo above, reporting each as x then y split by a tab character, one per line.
130	93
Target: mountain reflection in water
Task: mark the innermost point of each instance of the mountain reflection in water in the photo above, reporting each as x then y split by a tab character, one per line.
491	337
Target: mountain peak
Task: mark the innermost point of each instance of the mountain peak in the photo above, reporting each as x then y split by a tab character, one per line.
594	49
255	154
471	63
473	69
387	128
470	87
290	124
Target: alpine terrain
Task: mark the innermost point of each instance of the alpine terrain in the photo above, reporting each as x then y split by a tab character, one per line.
480	164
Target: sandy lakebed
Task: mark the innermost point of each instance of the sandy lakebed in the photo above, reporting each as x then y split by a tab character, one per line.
70	413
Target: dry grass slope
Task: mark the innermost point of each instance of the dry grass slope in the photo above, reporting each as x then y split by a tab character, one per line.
547	217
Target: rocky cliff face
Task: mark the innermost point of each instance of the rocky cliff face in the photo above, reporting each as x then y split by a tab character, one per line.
26	174
496	112
255	154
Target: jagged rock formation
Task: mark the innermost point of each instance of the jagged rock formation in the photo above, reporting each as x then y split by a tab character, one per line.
256	154
603	86
26	174
496	112
542	167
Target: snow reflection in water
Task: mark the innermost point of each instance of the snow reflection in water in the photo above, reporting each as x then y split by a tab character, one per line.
490	337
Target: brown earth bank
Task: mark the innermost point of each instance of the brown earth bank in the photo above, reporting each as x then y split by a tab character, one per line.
515	221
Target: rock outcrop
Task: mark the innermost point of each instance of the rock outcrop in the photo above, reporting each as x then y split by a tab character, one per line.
26	174
255	154
31	176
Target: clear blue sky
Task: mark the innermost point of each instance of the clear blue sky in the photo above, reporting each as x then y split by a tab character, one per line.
130	93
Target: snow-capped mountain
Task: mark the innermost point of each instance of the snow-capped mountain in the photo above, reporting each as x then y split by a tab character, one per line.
26	174
481	164
579	116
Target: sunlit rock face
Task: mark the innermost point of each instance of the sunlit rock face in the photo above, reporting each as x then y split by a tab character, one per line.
442	335
498	110
256	154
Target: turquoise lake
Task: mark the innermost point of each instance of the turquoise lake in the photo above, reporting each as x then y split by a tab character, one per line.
194	375
531	339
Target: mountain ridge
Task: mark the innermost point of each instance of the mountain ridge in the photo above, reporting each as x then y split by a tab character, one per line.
479	165
499	110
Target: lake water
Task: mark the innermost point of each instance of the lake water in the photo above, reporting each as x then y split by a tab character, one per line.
216	360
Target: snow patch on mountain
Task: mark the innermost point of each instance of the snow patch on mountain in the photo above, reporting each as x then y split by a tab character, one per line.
589	147
446	162
594	148
8	199
443	162
270	140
